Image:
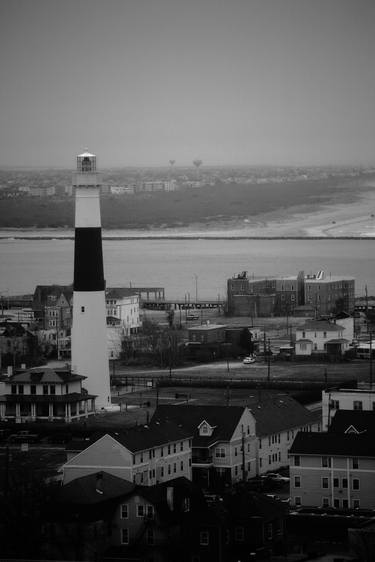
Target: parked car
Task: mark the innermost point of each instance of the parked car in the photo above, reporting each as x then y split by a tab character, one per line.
249	360
276	477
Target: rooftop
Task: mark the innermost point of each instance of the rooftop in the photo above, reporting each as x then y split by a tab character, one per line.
333	444
280	414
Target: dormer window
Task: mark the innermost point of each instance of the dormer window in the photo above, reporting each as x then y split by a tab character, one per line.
205	429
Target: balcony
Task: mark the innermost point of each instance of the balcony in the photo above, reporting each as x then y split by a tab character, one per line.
202	460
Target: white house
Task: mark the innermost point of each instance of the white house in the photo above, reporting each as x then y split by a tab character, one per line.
345	399
123	309
45	394
320	336
144	455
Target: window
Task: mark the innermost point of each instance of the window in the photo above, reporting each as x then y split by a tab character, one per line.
20	389
303	335
325	482
344	482
355	484
181	446
260	443
324	334
220	452
357	405
297	481
345	504
140	510
124	511
182	466
125	536
150	511
174	467
356	504
32	389
82	309
336	482
235	470
235	451
297	501
326	462
325	502
52	389
45	389
239	534
174	447
169	469
169	449
14	389
336	504
204	538
355	463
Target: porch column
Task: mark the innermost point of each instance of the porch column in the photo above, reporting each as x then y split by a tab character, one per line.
33	410
50	410
18	410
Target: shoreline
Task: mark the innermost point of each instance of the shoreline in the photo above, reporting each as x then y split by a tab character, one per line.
342	220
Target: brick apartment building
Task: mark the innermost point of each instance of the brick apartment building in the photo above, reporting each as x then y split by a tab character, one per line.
280	296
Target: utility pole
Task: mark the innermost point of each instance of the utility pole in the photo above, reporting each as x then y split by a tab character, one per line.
243	456
366	308
370	360
264	347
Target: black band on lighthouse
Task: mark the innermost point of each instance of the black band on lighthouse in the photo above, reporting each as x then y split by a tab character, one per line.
88	260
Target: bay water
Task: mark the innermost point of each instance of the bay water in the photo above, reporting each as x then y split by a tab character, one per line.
186	267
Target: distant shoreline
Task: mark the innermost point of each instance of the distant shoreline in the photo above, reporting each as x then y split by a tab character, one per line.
193	237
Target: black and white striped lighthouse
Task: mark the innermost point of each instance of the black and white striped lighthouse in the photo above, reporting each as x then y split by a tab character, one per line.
89	332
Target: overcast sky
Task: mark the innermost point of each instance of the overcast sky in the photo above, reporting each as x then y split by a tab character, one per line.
140	82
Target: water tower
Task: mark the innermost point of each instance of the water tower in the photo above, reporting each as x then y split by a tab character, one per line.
197	163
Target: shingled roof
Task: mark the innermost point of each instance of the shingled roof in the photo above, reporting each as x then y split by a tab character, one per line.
224	420
353	421
333	444
280	414
39	375
138	438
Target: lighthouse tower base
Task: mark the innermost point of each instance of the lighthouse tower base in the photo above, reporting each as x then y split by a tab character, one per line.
89	344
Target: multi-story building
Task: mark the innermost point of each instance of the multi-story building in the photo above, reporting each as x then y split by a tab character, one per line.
144	455
321	336
42	393
52	305
346	399
279	296
274	296
333	470
329	293
224	441
123	309
277	422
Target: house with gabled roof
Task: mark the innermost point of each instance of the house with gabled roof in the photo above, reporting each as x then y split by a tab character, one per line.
116	519
321	336
333	470
145	455
223	443
42	393
353	421
355	399
122	306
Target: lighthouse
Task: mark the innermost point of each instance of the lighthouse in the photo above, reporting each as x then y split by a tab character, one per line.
89	332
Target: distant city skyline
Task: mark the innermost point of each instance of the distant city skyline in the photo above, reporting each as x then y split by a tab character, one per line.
140	82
